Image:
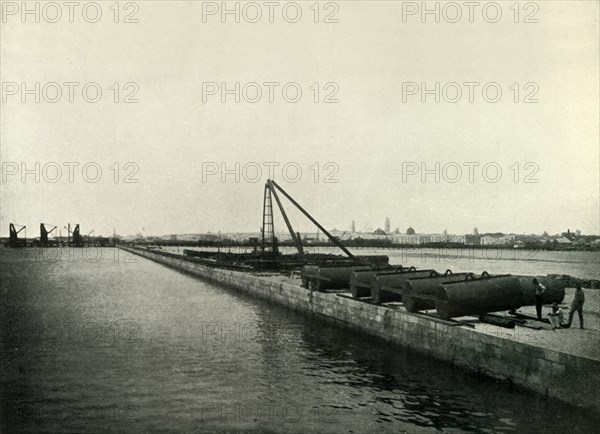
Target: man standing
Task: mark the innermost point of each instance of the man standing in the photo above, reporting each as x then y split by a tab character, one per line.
539	297
577	305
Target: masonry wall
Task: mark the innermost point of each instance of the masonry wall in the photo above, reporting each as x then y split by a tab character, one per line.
566	377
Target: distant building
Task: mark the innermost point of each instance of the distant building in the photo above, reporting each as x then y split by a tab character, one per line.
386	227
562	240
439	238
493	240
406	239
410	231
473	240
423	239
519	244
458	239
378	234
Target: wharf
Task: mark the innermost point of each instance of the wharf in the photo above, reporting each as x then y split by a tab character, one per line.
562	364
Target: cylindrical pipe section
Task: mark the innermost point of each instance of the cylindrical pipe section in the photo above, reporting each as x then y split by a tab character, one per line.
426	286
321	278
360	280
388	286
429	285
413	304
478	296
379	261
307	272
336	277
555	289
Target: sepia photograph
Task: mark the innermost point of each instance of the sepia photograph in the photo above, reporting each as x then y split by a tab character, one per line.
310	216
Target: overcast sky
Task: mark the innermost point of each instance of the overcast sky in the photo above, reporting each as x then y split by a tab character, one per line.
376	137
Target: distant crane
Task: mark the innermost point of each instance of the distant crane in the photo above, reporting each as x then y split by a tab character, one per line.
13	240
77	242
44	232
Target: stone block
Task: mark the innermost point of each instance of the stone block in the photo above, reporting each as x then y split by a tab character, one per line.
558	368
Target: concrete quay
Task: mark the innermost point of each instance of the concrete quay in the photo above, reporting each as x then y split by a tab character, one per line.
562	364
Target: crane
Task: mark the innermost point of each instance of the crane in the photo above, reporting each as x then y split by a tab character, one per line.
271	189
45	232
13	240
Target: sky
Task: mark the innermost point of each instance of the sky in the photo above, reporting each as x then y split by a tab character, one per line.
364	140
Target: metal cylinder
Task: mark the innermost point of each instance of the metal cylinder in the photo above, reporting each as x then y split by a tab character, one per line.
555	289
379	261
321	278
413	304
388	286
419	292
477	296
360	280
429	285
306	273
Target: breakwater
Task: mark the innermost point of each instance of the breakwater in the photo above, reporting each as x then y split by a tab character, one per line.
519	356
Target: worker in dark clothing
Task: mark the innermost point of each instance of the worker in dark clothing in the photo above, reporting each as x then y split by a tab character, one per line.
577	306
539	297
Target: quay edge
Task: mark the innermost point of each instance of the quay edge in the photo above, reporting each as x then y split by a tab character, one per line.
555	374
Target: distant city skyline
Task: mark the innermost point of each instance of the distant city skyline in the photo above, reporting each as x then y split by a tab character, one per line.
33	230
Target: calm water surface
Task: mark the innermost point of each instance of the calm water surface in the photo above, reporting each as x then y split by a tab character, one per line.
123	344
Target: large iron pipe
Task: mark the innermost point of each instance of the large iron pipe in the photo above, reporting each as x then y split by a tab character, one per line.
374	260
555	289
388	286
426	286
478	296
307	273
321	278
360	280
429	285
